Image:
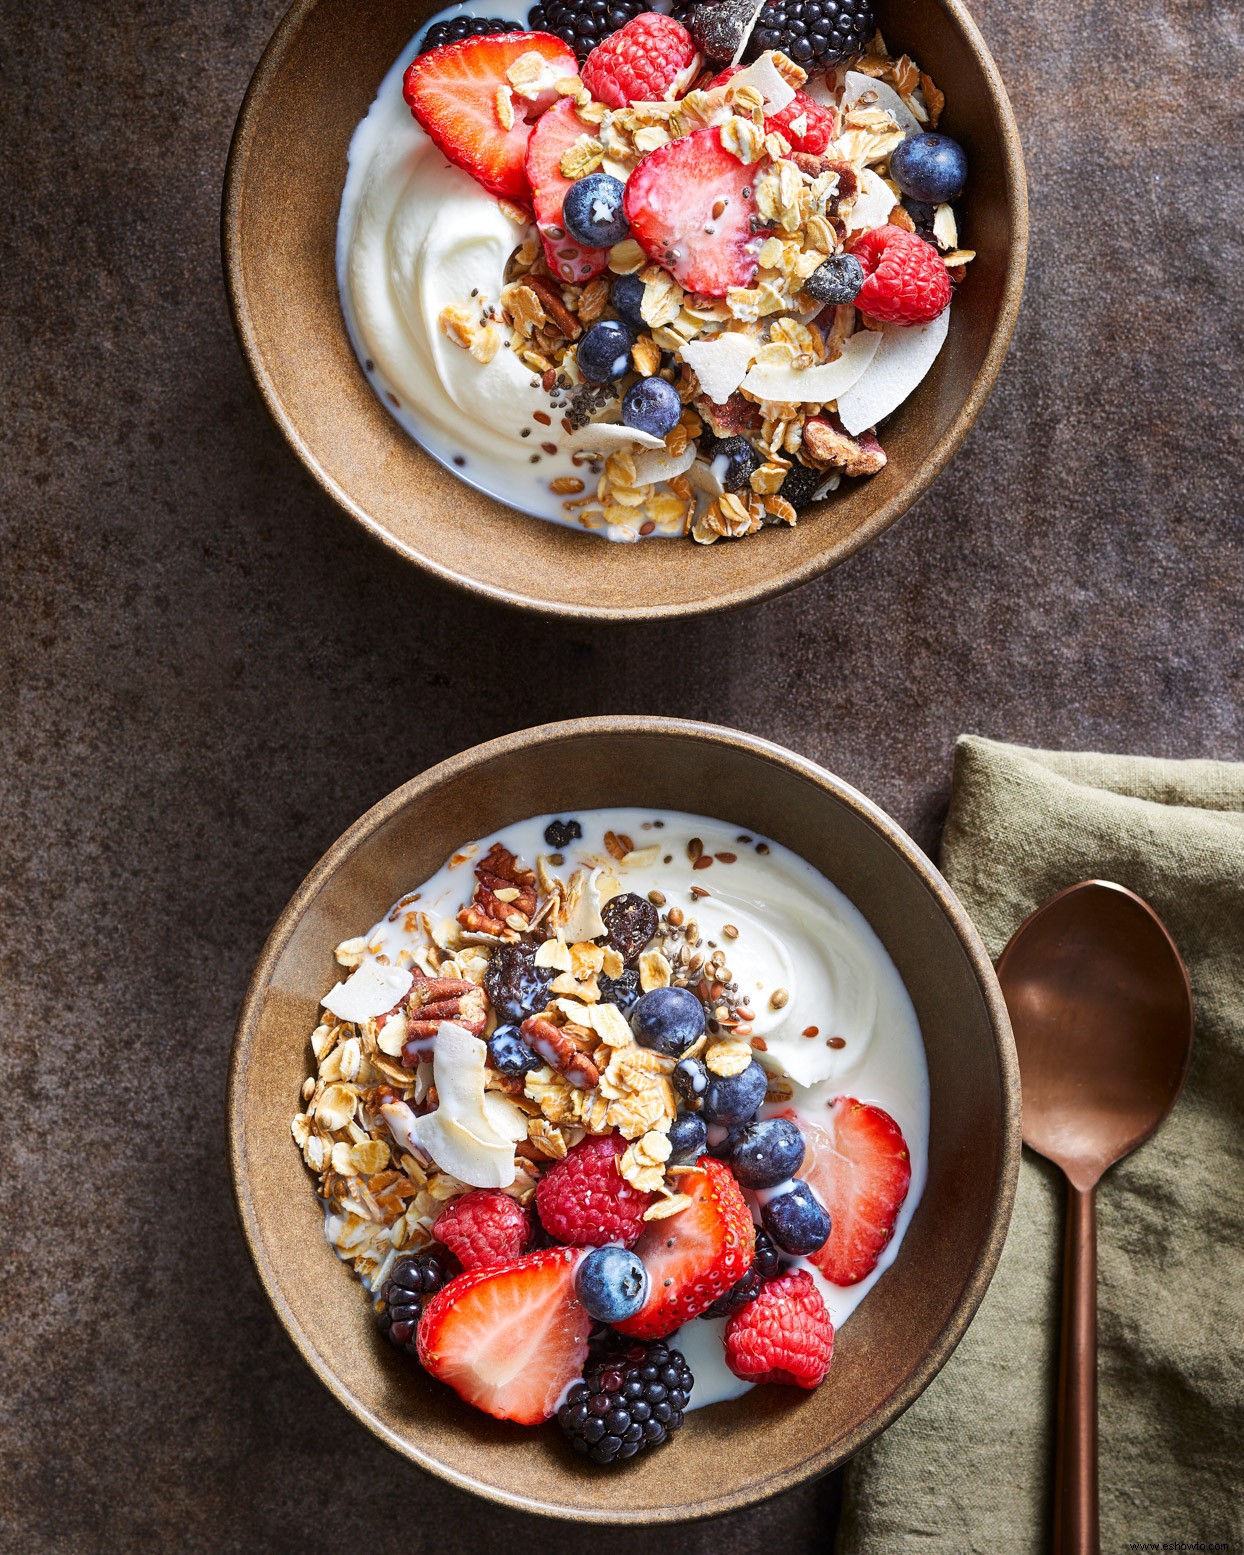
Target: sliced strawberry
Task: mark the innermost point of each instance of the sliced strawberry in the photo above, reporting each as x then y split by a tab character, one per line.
861	1170
555	133
696	1255
691	205
804	123
452	91
509	1338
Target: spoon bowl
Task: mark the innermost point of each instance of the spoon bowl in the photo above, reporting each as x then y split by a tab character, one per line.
1101	1008
1102	1013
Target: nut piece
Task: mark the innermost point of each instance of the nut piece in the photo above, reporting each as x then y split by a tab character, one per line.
558	1049
493	914
827	445
551	301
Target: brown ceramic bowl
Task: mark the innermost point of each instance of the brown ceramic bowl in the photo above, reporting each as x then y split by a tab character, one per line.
282	191
727	1455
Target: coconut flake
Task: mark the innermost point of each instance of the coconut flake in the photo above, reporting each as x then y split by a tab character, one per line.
651	467
370	991
704	478
721	362
815	385
604	437
945	228
747	32
463	1136
905	354
886	97
763	74
873	203
581	914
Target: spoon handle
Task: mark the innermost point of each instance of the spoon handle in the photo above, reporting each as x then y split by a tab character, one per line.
1076	1529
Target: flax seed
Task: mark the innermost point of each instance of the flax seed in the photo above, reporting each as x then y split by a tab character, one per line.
811	1031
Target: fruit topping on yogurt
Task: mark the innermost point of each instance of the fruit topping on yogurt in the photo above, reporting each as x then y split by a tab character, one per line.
617	1115
649	274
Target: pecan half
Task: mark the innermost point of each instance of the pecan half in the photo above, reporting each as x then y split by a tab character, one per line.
738	415
558	1049
435	999
490	913
830	447
551	301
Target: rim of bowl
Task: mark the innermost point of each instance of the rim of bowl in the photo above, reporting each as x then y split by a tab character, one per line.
979	1276
271	64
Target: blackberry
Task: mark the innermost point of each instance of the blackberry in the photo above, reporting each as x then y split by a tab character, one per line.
459	27
740	1293
632	1398
800	485
402	1296
560	834
583	23
814	32
769	1261
768	1265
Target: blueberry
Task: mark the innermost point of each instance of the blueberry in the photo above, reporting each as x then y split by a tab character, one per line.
612	1284
510	1054
652	406
930	167
626	294
797	1220
688	1137
837	281
592	211
767	1153
560	834
732	460
733	1099
668	1020
690	1079
605	351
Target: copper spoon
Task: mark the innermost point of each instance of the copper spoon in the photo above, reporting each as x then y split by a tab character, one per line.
1102	1012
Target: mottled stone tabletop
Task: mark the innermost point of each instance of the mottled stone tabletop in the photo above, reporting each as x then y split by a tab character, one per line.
209	673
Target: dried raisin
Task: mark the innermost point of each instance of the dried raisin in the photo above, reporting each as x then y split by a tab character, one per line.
560	834
514	984
630	922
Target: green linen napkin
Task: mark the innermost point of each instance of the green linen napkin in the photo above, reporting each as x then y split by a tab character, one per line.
968	1468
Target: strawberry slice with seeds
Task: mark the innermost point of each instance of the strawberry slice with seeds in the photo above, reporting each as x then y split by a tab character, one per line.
696	1255
554	134
453	92
691	207
861	1169
509	1338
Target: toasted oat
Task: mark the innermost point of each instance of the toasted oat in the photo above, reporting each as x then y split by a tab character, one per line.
664	1208
503	103
728	1058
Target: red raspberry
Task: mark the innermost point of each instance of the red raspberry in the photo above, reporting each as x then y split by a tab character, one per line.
905	281
584	1199
785	1335
484	1227
640	62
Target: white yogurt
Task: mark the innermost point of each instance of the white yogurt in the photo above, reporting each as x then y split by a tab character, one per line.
797	932
416	235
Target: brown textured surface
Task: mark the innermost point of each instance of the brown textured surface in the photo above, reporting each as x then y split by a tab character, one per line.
209	673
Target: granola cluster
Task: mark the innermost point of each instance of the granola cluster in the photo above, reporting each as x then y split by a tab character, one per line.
743	365
547	925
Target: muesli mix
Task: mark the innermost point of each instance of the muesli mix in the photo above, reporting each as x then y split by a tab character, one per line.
743	253
548	1132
